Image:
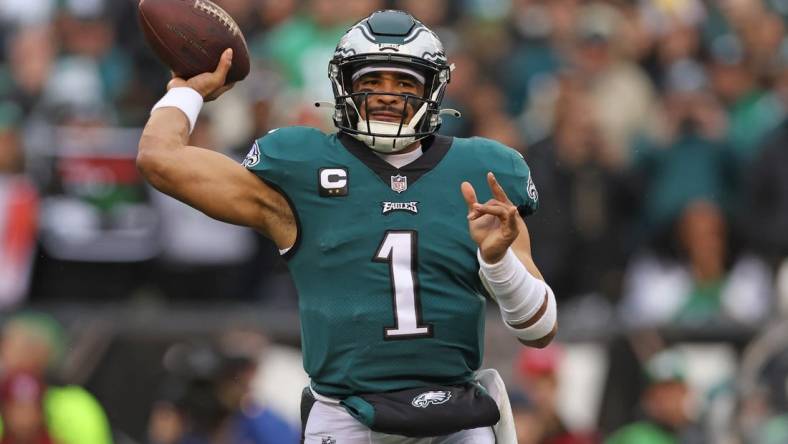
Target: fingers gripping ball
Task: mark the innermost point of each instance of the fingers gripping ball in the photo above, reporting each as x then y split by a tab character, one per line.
189	36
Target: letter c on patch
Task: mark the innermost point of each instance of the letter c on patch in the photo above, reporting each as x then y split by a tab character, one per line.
333	182
333	178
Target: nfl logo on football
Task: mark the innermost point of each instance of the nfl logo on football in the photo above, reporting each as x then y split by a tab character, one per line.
399	183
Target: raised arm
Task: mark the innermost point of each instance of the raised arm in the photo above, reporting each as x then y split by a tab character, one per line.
507	268
204	179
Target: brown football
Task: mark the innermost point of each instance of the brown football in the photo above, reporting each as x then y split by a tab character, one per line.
190	36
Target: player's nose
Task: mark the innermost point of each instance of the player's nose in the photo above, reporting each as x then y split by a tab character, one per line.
389	98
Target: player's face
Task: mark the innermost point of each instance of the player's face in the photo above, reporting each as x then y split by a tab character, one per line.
386	106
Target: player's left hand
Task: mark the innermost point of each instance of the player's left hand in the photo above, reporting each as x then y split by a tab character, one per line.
493	225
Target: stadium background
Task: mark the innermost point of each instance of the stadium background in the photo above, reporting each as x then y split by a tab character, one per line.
655	130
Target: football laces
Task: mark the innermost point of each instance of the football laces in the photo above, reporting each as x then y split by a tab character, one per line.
211	9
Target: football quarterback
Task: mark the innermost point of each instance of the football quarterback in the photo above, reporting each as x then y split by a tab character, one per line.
395	237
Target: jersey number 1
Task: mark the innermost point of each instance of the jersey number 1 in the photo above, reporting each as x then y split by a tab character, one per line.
398	249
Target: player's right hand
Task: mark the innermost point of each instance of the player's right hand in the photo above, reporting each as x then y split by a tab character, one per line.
210	85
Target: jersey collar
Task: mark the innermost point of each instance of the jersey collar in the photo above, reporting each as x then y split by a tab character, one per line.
435	148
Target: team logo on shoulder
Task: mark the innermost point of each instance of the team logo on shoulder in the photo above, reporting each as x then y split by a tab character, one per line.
399	183
253	158
433	397
328	440
333	182
532	193
410	207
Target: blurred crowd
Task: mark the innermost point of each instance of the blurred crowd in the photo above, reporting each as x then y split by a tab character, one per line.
656	131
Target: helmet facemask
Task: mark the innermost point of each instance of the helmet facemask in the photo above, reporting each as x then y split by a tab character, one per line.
387	136
384	136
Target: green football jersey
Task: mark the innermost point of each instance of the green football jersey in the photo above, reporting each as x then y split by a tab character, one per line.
384	265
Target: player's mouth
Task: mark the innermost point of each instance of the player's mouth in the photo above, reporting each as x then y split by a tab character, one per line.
383	116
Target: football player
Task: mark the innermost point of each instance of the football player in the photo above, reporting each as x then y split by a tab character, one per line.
393	235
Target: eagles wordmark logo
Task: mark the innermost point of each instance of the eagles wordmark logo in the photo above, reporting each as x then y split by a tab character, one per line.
433	397
399	183
410	207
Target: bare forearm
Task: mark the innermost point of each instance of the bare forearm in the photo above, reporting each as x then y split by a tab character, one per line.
522	249
167	130
163	138
168	124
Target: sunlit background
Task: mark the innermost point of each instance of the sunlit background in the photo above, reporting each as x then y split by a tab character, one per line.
657	136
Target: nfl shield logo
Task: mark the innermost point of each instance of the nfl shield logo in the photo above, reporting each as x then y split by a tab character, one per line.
399	183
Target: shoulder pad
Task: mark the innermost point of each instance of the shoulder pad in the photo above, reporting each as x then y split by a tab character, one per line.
289	143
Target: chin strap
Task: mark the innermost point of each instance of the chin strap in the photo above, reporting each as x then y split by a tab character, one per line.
449	111
416	117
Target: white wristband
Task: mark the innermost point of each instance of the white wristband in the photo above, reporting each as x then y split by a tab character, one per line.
518	293
185	99
541	327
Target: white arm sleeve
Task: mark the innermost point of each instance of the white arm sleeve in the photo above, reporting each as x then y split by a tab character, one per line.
520	295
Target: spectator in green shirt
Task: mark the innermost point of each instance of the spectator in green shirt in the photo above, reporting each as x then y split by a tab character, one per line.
33	343
666	419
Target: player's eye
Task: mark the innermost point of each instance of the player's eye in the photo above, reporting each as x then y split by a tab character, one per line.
366	85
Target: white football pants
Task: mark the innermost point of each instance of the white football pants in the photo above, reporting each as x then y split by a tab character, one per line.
329	423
